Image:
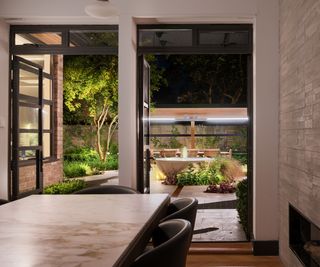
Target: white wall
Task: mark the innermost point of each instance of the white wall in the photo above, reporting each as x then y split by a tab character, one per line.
4	96
264	15
127	133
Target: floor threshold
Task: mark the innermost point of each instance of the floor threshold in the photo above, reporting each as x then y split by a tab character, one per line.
230	248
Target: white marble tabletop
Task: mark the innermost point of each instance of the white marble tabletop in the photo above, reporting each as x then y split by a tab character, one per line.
75	230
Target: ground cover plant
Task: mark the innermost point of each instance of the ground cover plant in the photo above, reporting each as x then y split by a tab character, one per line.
219	175
67	186
84	161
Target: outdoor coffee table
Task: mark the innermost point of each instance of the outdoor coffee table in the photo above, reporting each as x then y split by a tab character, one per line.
170	167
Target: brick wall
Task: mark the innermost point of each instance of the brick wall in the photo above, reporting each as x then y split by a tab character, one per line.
52	171
299	169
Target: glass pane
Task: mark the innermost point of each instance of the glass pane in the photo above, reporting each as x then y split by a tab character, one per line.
29	83
28	139
38	38
46	117
28	118
46	145
27	154
42	60
207	79
96	38
223	38
27	178
47	89
165	37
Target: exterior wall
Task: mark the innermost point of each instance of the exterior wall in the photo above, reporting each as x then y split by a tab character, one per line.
58	105
4	108
299	169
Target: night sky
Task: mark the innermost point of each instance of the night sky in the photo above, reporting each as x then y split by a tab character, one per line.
189	78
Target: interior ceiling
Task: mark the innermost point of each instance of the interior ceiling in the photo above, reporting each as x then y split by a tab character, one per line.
49	12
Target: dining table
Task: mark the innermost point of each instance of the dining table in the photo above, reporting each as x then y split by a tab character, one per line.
78	230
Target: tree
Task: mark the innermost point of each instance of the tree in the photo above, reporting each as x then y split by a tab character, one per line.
204	79
91	94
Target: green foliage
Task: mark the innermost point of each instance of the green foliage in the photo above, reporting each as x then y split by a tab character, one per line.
173	141
241	157
242	204
221	170
156	142
65	187
73	169
114	149
90	83
80	154
207	142
229	168
111	163
156	76
205	175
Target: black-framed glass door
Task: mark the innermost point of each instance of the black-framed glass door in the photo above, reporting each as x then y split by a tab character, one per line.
27	127
143	180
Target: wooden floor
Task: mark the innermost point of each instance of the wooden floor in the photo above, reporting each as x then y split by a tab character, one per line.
228	255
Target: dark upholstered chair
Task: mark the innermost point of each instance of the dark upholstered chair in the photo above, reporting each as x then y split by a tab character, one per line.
107	189
171	244
184	208
2	201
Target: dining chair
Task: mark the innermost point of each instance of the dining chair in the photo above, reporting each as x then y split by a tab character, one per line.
2	201
183	208
171	245
108	189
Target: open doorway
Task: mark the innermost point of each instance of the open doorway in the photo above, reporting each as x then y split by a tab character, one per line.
196	127
37	121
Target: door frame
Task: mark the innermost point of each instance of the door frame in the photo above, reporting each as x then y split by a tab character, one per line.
16	164
195	48
143	150
63	49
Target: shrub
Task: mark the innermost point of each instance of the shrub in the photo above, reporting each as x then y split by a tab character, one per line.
80	154
111	163
241	157
205	175
242	203
65	187
114	150
76	169
229	168
221	170
221	188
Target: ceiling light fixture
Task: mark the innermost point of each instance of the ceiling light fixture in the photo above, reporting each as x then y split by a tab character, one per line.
101	9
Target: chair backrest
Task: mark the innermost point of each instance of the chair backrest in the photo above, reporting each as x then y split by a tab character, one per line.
214	152
107	189
183	208
3	201
172	241
169	152
192	152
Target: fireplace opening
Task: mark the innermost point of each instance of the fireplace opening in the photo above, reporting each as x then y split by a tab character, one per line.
304	238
